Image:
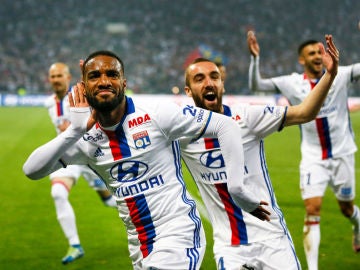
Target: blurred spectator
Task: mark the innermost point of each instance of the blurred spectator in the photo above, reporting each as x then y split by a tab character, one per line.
160	35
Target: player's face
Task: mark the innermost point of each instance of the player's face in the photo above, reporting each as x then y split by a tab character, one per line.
205	86
312	59
104	83
59	79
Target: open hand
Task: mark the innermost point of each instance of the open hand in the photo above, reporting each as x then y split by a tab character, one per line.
77	99
330	56
253	45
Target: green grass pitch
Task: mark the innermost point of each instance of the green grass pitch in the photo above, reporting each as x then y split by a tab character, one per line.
31	238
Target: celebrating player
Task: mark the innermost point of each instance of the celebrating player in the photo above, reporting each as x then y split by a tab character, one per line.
64	179
327	143
239	238
134	148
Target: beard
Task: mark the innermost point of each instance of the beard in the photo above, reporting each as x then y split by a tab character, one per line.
201	102
108	105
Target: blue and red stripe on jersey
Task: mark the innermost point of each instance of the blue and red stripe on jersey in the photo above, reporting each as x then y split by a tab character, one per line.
141	218
235	215
117	140
322	127
118	143
138	208
211	143
59	107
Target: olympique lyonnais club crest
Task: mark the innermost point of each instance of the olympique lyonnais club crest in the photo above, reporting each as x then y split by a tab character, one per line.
141	139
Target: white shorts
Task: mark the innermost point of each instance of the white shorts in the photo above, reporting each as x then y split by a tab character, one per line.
277	253
337	173
167	258
75	171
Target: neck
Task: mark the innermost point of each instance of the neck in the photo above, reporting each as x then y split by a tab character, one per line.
222	109
60	96
314	75
112	118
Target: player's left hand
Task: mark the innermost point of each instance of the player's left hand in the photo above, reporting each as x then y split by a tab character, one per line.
253	45
261	213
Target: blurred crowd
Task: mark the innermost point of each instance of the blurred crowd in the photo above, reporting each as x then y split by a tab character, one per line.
155	37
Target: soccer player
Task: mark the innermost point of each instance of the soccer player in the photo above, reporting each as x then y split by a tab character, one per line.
222	69
239	238
327	143
134	147
64	179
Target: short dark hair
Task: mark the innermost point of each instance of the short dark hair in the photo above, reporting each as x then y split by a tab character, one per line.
103	52
306	43
219	64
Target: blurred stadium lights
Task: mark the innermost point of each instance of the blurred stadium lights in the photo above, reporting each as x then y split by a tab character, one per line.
117	28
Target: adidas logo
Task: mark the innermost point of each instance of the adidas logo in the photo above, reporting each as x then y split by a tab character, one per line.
98	152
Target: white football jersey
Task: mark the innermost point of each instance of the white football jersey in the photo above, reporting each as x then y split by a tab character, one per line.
139	159
59	110
231	225
330	135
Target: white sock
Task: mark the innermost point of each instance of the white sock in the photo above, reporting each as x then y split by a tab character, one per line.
65	213
355	218
312	241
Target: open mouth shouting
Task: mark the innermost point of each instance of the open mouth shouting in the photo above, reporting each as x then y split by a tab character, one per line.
210	96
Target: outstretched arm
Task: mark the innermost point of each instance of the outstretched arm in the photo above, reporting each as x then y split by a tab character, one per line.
309	108
256	83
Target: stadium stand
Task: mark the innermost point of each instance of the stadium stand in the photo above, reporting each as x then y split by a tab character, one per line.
155	37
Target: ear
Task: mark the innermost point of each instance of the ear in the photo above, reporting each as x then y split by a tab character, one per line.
83	88
301	60
188	91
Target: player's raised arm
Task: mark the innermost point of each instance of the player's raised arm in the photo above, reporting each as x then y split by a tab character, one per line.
256	82
309	108
253	45
48	157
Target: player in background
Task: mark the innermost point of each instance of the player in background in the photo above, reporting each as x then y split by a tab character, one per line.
239	238
64	179
134	148
327	143
222	69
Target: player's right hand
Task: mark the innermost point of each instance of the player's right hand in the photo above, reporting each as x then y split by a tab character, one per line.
261	213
